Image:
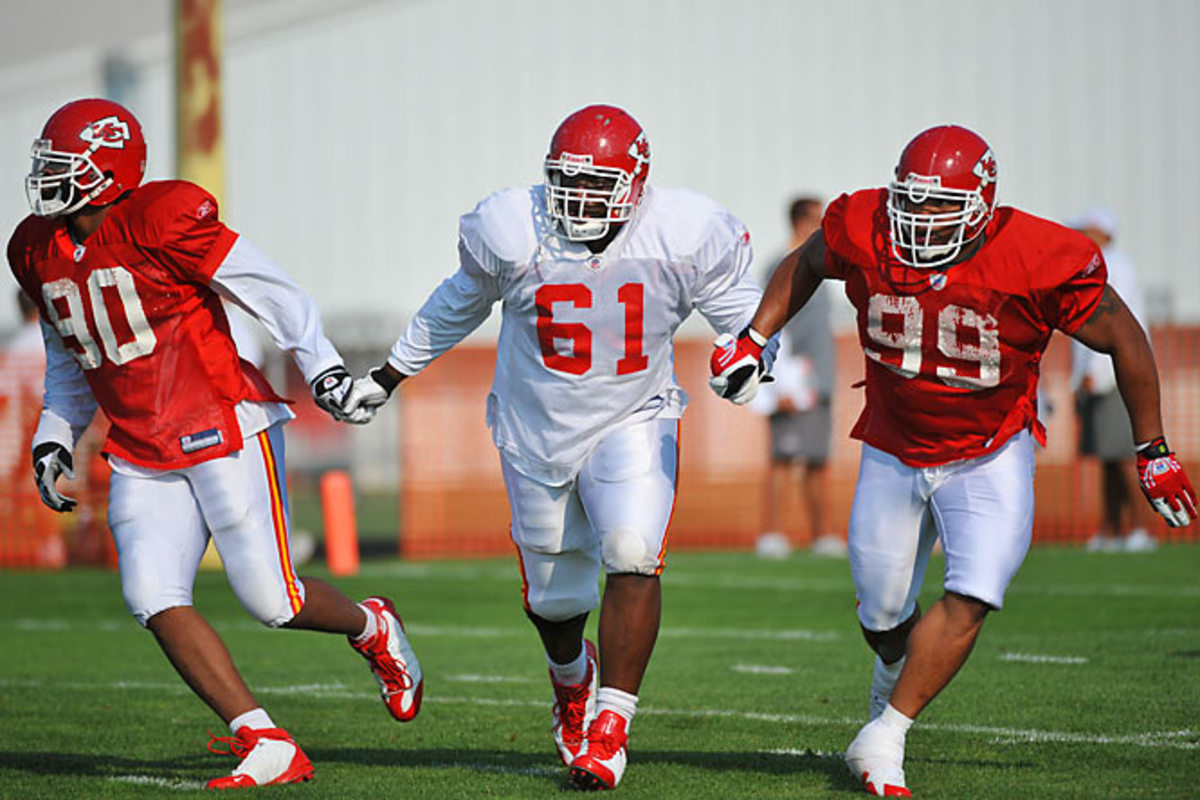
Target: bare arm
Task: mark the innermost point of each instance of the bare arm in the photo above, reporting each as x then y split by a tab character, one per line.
1113	330
792	283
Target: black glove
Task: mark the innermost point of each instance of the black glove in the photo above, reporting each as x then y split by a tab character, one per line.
329	390
51	459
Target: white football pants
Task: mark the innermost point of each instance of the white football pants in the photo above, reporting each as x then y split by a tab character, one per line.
614	512
161	521
982	509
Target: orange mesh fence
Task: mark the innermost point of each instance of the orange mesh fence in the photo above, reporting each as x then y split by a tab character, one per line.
452	497
31	535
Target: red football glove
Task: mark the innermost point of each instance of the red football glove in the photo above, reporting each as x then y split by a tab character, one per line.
737	366
1165	484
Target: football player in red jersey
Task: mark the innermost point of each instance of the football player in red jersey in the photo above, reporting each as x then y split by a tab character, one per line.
129	280
956	299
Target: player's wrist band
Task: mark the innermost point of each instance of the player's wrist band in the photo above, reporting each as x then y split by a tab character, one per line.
1155	448
755	336
385	379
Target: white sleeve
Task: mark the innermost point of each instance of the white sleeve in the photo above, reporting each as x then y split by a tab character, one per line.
458	306
726	294
68	404
255	283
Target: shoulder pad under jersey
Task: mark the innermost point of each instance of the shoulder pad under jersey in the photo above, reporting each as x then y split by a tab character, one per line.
501	229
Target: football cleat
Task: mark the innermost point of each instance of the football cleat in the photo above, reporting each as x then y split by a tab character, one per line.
601	760
392	660
269	756
876	757
574	707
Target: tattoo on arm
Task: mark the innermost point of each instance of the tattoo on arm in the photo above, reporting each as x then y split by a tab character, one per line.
1110	303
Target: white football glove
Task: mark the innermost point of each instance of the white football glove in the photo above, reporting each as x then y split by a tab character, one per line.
330	391
51	459
370	392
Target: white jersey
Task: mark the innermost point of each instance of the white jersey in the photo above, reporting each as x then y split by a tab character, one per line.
586	340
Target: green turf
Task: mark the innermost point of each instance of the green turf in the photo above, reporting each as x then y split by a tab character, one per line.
90	709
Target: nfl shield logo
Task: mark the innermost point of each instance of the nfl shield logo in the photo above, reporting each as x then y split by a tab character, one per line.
938	281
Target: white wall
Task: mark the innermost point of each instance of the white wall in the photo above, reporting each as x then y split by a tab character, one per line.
357	132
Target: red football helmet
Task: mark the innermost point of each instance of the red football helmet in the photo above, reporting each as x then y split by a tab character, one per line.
595	171
946	165
90	153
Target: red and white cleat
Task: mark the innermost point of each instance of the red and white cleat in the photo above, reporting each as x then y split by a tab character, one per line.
392	660
269	756
876	757
601	761
574	707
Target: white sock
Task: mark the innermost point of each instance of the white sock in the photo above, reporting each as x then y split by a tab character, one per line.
254	719
573	672
370	628
623	703
885	675
895	720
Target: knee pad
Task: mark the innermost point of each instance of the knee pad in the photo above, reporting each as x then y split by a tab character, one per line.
624	550
882	618
143	589
263	593
560	587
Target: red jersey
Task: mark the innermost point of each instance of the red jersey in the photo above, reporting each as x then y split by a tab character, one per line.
134	306
953	353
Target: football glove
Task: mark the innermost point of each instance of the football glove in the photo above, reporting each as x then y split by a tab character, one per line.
371	391
330	390
51	459
737	366
1165	484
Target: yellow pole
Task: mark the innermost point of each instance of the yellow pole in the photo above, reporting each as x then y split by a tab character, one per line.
199	146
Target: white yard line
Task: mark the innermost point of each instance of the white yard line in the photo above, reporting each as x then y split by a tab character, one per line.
55	625
1032	658
507	572
1188	739
761	669
162	783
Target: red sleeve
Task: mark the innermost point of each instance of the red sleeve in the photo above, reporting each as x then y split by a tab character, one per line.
18	256
189	236
837	239
1070	302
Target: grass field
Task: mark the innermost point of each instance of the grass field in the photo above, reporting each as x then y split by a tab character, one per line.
1086	686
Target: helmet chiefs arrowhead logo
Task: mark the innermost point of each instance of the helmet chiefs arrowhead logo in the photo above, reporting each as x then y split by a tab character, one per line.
985	168
108	132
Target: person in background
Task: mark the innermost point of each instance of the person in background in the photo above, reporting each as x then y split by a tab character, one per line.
798	405
129	279
1104	430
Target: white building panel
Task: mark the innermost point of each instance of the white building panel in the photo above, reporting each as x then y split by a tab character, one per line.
357	131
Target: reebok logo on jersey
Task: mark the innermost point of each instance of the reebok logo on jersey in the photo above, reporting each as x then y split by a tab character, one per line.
200	440
204	210
1092	266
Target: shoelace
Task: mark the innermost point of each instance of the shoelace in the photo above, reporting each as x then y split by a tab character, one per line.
603	743
384	665
572	704
236	747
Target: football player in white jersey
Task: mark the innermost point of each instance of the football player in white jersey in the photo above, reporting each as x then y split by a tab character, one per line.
594	270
